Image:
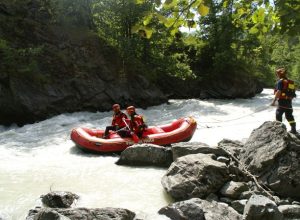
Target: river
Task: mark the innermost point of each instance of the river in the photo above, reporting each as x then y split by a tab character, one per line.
40	157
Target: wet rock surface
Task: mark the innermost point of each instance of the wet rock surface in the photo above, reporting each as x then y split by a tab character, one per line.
201	210
195	175
80	214
273	154
59	199
146	154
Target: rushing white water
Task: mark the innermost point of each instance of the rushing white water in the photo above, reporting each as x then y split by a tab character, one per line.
37	158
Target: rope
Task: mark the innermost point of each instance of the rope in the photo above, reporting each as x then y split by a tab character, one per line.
246	172
234	119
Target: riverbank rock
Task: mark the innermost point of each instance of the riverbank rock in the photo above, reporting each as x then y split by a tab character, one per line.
183	149
231	146
233	189
221	87
197	209
272	154
260	207
146	154
230	86
290	212
195	175
80	214
59	199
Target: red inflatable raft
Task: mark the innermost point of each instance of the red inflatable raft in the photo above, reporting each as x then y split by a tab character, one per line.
178	131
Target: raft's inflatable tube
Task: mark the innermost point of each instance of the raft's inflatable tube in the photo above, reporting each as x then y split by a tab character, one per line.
180	130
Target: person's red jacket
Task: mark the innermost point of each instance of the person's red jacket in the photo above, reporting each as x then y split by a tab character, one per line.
136	123
118	120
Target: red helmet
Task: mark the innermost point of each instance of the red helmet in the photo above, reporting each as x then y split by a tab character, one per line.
130	108
116	106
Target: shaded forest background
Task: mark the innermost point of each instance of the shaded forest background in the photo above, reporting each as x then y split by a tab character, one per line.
61	56
216	48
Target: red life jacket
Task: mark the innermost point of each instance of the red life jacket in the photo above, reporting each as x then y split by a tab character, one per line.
118	120
137	123
288	89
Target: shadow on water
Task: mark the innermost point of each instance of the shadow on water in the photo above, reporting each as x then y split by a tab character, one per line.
84	153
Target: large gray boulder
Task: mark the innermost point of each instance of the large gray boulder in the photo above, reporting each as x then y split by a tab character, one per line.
183	149
146	154
260	207
195	175
272	154
231	146
188	209
59	199
233	189
80	214
197	209
290	212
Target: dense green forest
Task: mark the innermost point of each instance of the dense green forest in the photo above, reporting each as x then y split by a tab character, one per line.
183	38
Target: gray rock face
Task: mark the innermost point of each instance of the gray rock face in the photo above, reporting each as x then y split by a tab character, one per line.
183	149
80	214
195	175
261	208
146	154
230	87
189	209
233	189
26	102
273	154
290	212
223	159
70	72
219	87
59	199
239	205
246	195
46	214
234	147
197	209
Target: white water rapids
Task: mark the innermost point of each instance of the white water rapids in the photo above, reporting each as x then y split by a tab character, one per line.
40	157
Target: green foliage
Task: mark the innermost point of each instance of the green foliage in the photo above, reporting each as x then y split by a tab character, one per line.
233	37
284	51
146	48
288	12
257	17
173	14
72	12
229	39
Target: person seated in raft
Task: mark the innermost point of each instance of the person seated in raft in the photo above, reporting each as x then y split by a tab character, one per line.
117	123
136	122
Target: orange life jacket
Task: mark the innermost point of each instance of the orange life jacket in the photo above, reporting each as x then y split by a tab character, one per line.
288	89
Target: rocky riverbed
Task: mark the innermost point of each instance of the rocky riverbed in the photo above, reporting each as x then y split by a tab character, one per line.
258	179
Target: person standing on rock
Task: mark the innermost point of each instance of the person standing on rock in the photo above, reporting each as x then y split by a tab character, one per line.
284	93
117	122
